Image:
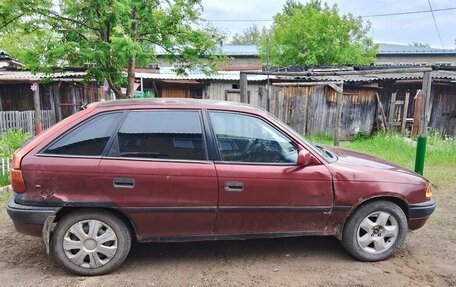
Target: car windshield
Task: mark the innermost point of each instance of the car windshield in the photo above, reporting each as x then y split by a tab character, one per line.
328	155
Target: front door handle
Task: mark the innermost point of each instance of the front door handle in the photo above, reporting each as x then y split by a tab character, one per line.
234	186
123	182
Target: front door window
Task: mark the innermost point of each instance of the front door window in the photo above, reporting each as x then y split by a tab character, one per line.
244	138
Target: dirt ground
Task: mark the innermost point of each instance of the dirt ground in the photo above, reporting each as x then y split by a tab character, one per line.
428	258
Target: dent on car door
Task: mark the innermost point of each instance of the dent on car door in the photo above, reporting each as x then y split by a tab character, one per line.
157	171
65	172
261	189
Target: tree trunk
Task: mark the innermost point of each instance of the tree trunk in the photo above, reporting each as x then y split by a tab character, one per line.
115	89
131	77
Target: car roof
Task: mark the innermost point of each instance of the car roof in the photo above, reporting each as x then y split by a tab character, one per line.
177	103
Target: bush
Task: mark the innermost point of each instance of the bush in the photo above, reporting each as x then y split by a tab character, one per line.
4	179
11	141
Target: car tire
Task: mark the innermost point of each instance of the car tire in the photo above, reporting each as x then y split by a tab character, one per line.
375	231
90	242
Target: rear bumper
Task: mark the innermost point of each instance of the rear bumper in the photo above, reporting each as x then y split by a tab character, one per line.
419	213
29	219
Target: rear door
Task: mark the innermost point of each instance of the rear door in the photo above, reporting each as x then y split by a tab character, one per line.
262	190
157	170
66	171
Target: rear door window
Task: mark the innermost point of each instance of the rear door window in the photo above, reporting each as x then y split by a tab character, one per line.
88	139
162	134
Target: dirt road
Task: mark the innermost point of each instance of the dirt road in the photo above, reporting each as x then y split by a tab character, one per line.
428	258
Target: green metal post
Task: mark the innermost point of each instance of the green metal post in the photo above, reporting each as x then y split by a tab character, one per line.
423	122
420	154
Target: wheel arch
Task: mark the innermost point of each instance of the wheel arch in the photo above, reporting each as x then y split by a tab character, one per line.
402	203
115	211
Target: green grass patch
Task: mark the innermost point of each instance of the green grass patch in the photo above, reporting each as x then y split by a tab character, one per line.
5	196
4	180
321	139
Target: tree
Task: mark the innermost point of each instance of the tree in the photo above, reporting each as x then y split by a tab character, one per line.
290	5
251	35
316	34
107	36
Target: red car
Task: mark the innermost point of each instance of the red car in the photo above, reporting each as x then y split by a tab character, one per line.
187	170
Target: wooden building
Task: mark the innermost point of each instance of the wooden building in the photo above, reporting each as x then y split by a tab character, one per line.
224	85
60	95
308	103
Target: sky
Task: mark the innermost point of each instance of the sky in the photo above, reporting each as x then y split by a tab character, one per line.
402	29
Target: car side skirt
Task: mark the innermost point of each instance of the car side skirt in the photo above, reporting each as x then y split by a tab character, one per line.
231	237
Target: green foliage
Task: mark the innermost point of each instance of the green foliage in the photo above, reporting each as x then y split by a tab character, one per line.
11	141
316	34
251	35
320	138
290	5
107	35
4	180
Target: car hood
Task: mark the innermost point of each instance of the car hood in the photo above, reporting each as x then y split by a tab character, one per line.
353	166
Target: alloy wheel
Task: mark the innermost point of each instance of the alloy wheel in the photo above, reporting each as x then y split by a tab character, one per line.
377	232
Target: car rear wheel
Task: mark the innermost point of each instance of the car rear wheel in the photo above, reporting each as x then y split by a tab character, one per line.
375	231
90	242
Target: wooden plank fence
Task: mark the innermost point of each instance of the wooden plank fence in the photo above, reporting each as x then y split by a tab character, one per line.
24	120
5	166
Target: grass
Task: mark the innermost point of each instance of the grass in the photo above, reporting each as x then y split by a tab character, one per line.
5	196
440	163
4	180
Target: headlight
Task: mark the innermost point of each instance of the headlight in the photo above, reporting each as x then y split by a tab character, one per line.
429	191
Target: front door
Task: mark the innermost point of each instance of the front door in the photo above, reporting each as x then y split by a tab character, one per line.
158	172
262	190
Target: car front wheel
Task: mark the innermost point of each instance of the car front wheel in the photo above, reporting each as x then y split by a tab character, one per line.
90	242
375	231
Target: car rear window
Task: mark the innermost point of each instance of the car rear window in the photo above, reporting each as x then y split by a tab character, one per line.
162	135
88	139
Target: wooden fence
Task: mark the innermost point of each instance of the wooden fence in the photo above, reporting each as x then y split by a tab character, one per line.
4	166
24	120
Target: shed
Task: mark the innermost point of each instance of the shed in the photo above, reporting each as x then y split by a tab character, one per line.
60	95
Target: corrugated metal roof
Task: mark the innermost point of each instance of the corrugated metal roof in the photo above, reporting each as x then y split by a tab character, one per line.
225	49
239	50
390	49
440	75
27	75
219	76
383	49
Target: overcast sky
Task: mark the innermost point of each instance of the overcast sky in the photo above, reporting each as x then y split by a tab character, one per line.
403	29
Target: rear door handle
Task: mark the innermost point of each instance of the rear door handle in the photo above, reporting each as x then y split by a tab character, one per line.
123	182
234	186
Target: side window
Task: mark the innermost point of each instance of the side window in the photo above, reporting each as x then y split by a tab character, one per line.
163	135
243	138
89	139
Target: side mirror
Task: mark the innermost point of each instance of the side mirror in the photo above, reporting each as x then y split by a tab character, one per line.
304	157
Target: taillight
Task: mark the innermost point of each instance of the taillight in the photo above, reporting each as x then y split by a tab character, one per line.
17	180
16	162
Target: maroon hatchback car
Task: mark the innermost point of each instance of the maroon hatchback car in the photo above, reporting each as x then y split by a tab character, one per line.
186	170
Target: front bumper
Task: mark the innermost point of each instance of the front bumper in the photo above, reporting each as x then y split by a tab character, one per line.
422	210
419	213
29	219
